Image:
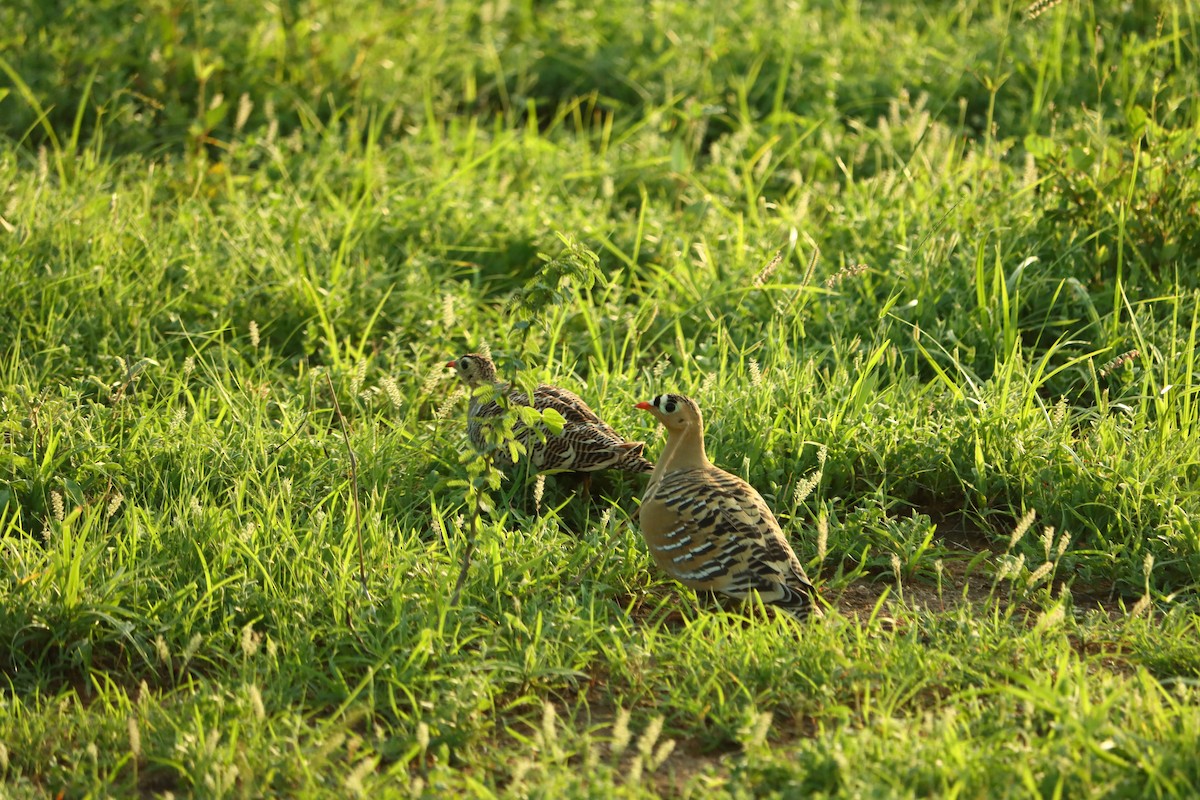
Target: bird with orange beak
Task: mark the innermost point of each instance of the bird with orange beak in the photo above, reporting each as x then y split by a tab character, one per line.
710	530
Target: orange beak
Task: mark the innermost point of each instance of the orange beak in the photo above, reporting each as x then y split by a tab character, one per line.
644	406
451	363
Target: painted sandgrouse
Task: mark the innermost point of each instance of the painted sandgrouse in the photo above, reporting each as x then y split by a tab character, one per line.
710	530
586	443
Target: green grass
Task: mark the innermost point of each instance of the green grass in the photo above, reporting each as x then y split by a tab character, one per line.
214	212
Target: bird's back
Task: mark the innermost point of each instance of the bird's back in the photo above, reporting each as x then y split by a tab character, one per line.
712	531
586	443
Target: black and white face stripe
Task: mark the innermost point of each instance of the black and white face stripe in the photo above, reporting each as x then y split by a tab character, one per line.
666	403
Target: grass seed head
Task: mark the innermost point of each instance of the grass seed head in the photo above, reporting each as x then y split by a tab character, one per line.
549	723
766	272
845	273
113	505
256	702
620	732
661	753
756	378
1036	576
812	266
804	488
448	404
650	736
1036	9
135	737
1048	540
250	640
754	735
245	106
1119	361
1022	528
1051	617
193	646
392	390
539	488
1064	542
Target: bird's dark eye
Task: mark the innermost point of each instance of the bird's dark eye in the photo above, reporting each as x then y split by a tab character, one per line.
669	406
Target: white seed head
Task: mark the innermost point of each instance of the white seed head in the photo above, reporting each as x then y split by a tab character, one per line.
1022	527
539	488
448	404
1051	617
760	729
245	106
392	389
1064	542
755	373
250	640
766	272
135	737
549	723
662	753
620	732
650	736
192	646
1039	573
256	702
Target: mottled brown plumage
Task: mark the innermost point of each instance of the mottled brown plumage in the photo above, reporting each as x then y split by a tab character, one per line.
585	444
710	530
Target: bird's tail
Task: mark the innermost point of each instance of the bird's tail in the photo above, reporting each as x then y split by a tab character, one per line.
632	459
801	602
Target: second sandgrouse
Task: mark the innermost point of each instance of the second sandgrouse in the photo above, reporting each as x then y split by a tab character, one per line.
710	530
586	443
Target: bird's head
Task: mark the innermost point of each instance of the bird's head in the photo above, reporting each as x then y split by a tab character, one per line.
475	369
674	411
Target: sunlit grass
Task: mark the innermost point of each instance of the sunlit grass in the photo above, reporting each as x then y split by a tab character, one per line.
930	272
